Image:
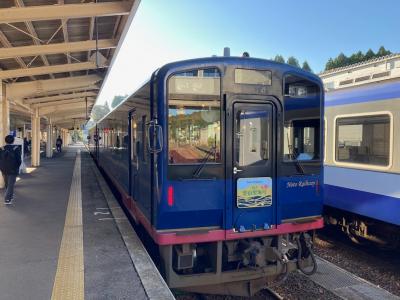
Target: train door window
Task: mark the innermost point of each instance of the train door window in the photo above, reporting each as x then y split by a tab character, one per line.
363	139
194	117
252	137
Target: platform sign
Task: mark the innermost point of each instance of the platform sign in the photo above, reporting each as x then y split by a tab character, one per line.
254	192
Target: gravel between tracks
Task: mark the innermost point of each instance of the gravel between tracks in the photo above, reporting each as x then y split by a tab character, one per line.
380	267
296	287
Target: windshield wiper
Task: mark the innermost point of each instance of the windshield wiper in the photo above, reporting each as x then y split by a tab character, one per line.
197	173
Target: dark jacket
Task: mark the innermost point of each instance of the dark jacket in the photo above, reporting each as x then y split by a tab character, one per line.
9	164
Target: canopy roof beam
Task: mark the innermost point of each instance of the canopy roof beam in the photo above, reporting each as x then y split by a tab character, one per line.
6	43
52	12
59	97
63	108
42	87
47	69
55	48
90	101
65	115
33	34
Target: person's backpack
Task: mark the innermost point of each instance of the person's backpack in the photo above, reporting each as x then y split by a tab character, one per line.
8	159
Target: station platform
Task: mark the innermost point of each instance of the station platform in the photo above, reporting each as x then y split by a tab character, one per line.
65	237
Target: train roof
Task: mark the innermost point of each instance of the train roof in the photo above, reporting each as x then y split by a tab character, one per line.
217	61
367	93
242	62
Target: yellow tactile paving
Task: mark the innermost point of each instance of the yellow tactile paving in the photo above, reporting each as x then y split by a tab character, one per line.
69	279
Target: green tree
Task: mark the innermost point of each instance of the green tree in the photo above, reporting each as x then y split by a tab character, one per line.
99	111
356	58
382	52
370	54
293	61
341	61
329	65
279	58
306	66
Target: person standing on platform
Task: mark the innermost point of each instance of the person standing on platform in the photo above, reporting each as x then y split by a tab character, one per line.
26	147
59	143
10	161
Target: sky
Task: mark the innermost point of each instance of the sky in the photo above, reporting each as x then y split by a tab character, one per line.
313	30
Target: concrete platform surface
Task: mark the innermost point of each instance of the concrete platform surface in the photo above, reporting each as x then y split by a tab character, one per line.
60	227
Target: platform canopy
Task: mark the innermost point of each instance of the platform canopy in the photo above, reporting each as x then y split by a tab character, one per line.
55	53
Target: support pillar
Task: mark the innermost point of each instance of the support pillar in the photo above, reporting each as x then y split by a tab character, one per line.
5	115
54	136
4	121
63	136
49	142
35	121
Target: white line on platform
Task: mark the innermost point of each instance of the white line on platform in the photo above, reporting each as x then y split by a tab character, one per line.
152	281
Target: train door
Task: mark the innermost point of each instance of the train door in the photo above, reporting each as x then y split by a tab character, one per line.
252	166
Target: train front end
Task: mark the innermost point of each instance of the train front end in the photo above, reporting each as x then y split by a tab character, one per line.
237	174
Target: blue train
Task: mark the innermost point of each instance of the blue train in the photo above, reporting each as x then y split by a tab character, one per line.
220	160
362	162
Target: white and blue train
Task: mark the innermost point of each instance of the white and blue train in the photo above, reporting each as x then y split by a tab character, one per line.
362	161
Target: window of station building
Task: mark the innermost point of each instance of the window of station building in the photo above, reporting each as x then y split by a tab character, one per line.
194	117
246	76
363	139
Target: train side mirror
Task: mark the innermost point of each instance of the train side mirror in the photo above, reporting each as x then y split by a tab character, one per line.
155	137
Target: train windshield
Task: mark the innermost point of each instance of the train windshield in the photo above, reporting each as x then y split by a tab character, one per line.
194	117
302	120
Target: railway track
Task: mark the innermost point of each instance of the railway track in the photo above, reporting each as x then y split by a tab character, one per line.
272	294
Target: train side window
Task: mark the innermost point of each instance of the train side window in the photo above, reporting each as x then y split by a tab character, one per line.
363	139
144	143
302	128
301	140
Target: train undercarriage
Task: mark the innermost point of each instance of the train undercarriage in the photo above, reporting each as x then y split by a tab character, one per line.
239	267
362	229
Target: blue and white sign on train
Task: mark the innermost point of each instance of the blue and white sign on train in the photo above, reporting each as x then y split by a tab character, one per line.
362	172
220	160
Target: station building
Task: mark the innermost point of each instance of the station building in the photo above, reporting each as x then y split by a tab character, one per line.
54	56
384	68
